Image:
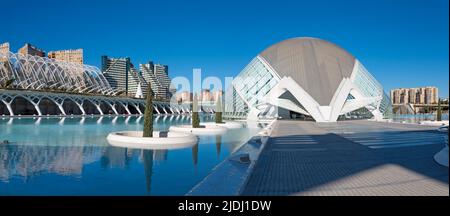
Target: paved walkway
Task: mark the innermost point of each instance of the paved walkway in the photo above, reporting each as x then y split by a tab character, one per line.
349	158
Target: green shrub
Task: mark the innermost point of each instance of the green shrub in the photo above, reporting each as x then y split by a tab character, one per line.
219	111
195	117
439	111
148	115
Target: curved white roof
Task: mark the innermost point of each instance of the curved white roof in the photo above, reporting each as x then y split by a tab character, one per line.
318	66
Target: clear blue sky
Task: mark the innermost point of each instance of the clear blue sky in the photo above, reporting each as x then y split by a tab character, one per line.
402	43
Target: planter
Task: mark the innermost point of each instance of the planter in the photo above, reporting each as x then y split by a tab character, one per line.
229	125
205	130
160	140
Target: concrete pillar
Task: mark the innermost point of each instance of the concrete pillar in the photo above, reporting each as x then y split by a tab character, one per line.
8	106
113	107
156	109
137	108
164	109
36	107
80	106
99	109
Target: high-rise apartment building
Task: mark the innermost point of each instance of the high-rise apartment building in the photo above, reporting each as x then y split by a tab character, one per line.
135	80
162	74
422	95
74	56
121	74
217	95
4	51
157	76
184	96
29	49
205	95
116	71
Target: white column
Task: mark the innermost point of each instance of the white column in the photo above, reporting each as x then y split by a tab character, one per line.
113	107
137	108
154	106
8	106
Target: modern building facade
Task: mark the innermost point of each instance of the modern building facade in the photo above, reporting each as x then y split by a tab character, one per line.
116	71
32	72
4	51
74	56
421	95
206	95
158	76
29	49
122	74
184	96
308	78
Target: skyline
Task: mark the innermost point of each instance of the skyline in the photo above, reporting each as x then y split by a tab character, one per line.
399	42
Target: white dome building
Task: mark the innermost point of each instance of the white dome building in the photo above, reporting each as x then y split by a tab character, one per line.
308	78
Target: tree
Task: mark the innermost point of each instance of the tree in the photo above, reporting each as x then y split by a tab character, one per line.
195	117
439	112
219	111
148	115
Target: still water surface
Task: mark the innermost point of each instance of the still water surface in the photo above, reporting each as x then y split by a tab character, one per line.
70	156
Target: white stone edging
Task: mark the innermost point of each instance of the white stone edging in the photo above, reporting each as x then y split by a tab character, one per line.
206	130
134	139
228	125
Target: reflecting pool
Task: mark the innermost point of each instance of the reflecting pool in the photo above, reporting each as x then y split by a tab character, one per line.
70	156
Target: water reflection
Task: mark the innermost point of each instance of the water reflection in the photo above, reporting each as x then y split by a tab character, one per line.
218	144
147	156
46	158
29	161
116	157
195	154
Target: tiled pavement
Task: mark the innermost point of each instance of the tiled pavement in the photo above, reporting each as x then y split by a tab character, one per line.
349	158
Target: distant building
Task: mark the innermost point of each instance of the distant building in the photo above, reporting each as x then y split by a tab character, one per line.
4	51
217	95
29	49
162	74
116	72
122	75
184	96
157	76
74	56
206	95
136	81
422	95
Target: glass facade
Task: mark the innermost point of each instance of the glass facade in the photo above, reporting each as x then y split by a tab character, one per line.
253	83
257	79
370	87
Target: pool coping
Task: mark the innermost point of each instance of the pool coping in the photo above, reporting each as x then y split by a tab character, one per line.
229	177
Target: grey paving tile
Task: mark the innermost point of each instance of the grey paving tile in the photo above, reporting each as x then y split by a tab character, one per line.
307	158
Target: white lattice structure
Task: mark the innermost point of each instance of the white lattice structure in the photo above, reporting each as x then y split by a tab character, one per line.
35	79
41	73
100	103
